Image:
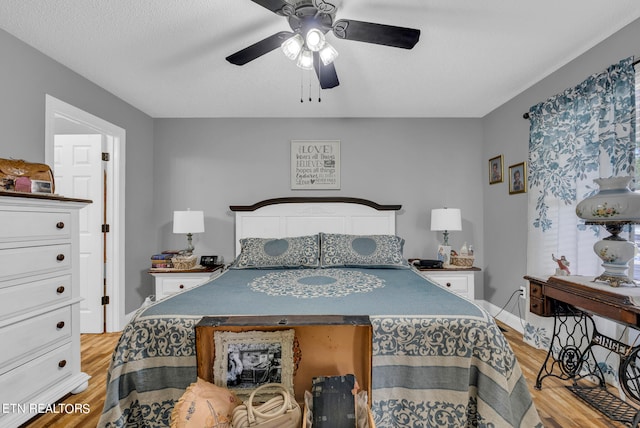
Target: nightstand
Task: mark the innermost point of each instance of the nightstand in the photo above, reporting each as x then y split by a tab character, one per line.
459	280
172	281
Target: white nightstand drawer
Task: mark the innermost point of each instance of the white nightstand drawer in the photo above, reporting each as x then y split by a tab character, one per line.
457	283
176	285
44	331
172	282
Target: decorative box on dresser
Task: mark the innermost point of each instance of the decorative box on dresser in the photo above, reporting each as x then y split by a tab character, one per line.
39	303
459	280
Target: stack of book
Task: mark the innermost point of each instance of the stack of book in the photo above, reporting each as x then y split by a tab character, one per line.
163	260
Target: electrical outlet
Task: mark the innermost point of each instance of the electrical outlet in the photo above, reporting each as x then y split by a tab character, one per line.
523	292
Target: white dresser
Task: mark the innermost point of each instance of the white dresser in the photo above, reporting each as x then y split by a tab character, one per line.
39	304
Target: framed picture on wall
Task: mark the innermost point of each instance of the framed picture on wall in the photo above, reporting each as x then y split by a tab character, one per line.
496	170
518	178
315	164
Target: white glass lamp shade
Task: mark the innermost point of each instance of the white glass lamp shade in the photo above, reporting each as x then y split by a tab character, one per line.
315	40
446	219
305	59
328	54
613	206
188	221
292	46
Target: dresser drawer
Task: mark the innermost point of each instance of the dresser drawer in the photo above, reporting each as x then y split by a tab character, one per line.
34	225
29	336
535	290
23	297
30	379
26	261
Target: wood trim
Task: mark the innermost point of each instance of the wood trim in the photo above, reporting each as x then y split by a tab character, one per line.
311	199
43	196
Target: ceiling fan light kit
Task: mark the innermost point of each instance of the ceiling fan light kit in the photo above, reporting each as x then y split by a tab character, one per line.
313	19
292	46
305	59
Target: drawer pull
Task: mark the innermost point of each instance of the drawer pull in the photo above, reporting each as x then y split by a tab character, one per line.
60	225
60	325
62	363
181	286
60	290
534	305
60	257
448	284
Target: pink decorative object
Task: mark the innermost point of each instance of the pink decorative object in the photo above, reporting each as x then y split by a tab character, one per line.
23	184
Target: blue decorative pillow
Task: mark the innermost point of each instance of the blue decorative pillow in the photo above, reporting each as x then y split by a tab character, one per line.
265	253
369	251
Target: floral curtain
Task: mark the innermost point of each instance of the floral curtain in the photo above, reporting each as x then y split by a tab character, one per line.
584	133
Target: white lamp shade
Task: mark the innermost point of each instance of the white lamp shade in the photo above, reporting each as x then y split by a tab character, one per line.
188	221
446	219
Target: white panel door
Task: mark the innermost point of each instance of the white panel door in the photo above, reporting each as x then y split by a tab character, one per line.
78	173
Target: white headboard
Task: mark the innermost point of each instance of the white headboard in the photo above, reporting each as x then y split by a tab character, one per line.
284	217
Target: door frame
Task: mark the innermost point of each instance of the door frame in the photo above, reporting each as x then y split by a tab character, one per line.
114	270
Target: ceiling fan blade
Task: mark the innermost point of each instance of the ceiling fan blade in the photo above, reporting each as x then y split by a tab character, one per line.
381	34
256	50
274	6
327	75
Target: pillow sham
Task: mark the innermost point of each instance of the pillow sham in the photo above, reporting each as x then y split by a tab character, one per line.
269	253
367	251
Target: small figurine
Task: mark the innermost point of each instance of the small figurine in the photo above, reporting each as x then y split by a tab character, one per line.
563	265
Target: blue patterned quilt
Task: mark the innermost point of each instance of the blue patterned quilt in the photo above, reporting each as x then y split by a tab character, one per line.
438	359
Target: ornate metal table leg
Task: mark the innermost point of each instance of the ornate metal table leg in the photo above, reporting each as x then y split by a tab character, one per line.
570	348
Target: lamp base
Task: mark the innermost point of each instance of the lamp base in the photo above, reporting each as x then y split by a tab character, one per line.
615	253
614	280
189	250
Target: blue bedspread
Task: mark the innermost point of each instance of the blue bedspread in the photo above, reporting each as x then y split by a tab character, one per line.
438	360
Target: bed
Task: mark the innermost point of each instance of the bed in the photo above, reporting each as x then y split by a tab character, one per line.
437	359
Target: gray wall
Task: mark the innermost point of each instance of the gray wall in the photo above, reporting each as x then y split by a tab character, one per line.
422	164
507	133
25	77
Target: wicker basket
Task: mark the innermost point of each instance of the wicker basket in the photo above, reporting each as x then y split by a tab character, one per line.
184	262
462	261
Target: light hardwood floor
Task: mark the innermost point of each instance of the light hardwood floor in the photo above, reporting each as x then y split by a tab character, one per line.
556	406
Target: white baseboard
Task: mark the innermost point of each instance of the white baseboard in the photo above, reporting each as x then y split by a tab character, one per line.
508	318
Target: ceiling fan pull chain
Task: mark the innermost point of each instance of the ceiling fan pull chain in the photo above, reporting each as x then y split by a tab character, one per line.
319	80
310	89
301	84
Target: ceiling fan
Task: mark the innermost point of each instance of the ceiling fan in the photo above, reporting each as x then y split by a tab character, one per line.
310	20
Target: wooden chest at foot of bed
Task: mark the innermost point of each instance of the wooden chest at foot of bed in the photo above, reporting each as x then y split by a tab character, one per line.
324	345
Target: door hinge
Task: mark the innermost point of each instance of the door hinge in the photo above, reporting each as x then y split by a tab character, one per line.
105	228
106	157
105	300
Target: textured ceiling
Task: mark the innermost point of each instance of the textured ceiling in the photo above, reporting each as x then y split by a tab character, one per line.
167	57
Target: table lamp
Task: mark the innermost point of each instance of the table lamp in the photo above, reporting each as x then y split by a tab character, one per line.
188	222
445	220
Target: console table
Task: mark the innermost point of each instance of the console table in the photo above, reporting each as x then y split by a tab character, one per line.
572	300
